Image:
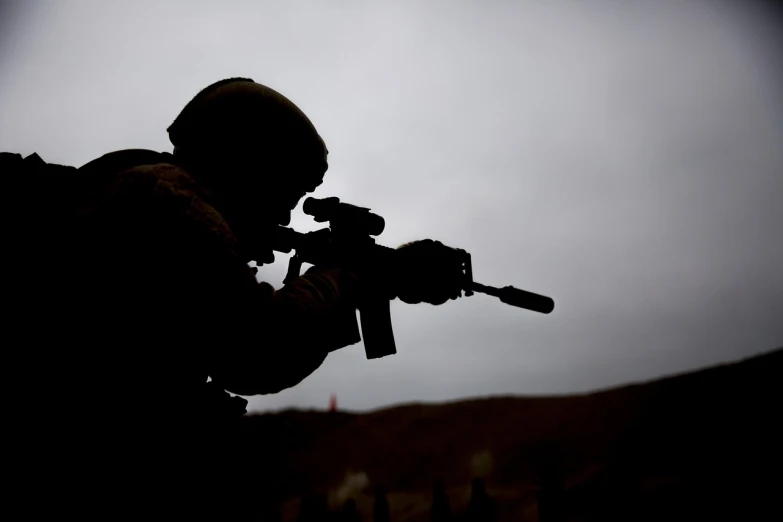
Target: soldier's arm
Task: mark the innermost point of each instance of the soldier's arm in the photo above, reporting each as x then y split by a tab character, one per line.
255	340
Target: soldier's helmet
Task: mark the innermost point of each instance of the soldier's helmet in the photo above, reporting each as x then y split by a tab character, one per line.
240	122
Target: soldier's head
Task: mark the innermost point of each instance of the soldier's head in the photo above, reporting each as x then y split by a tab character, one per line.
252	148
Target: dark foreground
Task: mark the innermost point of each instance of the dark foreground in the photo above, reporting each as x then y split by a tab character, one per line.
699	446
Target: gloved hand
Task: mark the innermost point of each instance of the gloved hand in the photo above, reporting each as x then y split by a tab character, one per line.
428	271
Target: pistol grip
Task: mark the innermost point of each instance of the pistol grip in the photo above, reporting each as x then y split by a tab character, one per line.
377	329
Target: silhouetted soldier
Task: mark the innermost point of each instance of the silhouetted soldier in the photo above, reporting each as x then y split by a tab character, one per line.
380	507
441	509
137	290
481	507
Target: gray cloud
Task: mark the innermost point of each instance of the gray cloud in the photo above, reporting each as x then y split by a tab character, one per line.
624	159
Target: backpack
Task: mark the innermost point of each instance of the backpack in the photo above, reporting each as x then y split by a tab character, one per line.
46	205
46	189
45	200
31	182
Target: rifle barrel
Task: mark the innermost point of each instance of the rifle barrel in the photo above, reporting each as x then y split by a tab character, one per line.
516	297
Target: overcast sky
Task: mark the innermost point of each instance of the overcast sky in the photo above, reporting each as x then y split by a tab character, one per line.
624	158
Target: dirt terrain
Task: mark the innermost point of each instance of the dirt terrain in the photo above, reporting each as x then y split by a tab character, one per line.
698	446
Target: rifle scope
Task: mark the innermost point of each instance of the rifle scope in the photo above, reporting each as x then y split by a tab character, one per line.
344	215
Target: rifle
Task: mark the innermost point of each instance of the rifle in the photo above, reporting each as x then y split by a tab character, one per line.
348	241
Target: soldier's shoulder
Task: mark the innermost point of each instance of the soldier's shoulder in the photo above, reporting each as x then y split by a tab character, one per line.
155	181
139	177
137	168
